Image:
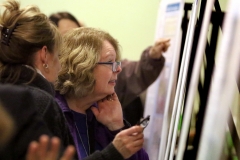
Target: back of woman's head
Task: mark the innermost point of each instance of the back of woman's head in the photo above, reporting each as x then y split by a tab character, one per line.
79	55
23	33
56	17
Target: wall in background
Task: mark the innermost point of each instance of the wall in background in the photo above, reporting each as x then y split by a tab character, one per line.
131	22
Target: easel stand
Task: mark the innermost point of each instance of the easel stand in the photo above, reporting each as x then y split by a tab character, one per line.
208	61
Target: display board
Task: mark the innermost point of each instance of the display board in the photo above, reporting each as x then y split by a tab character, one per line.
160	94
181	85
222	88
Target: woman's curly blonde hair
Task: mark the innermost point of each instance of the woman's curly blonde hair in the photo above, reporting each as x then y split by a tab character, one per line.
79	55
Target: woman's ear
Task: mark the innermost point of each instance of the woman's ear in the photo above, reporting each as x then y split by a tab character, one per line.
43	55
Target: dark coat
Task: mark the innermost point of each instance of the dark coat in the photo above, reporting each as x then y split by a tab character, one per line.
28	123
40	96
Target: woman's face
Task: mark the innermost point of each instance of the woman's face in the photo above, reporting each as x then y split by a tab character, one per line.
103	74
65	25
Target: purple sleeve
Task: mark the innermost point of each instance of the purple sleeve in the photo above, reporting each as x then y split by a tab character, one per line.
140	155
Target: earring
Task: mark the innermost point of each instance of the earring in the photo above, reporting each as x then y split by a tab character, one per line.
45	65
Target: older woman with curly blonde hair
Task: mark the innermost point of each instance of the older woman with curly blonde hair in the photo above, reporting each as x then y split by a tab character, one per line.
85	91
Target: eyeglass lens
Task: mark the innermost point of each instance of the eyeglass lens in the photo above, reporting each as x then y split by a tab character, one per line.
115	66
144	124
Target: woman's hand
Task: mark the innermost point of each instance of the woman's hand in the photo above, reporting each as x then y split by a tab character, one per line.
160	46
129	141
109	112
48	149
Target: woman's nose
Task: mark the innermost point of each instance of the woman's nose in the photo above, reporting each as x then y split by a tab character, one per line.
119	69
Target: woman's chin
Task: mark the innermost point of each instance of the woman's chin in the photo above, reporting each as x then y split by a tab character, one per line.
110	92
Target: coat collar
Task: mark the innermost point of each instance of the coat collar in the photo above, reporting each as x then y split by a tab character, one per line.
27	75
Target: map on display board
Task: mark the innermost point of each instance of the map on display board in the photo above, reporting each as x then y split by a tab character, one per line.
160	94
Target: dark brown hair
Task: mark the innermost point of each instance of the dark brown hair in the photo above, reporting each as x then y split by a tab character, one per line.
56	17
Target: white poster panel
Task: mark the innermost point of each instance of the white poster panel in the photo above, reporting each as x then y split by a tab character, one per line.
222	89
161	93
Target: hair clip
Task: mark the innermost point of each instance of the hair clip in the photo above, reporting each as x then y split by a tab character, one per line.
6	34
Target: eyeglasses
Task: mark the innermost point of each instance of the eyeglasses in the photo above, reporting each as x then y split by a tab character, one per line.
115	65
144	122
